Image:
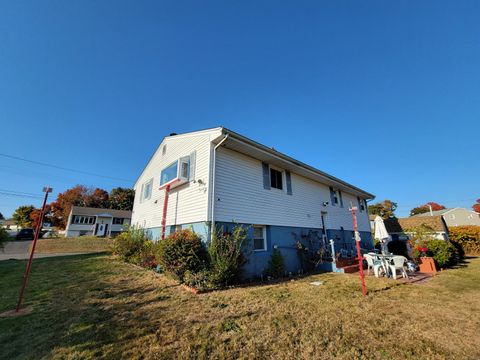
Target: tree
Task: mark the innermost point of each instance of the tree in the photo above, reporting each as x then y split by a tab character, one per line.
97	198
426	208
476	207
385	209
35	216
122	198
1	216
62	206
21	216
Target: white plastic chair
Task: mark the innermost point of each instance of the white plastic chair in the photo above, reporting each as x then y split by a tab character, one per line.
373	263
398	263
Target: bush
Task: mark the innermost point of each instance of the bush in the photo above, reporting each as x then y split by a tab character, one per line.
180	252
276	265
468	237
225	252
134	247
443	252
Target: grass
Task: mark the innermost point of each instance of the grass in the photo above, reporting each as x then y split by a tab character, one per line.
84	244
93	306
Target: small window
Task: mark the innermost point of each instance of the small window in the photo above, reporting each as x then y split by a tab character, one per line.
169	173
164	149
118	221
276	179
335	197
147	190
259	238
184	167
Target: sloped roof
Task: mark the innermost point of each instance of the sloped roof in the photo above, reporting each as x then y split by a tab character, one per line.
397	225
83	210
435	213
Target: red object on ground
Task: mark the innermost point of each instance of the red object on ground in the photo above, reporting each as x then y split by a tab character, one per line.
47	190
165	208
427	265
359	253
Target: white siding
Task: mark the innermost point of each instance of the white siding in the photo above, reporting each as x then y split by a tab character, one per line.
240	197
188	202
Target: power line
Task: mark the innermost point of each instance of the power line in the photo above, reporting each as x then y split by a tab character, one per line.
20	192
64	168
19	195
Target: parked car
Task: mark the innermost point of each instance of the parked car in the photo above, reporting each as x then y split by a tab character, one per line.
25	234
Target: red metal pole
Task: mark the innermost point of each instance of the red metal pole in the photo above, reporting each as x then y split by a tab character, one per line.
35	238
359	253
165	207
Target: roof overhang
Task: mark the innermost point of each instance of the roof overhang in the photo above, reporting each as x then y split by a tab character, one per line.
263	153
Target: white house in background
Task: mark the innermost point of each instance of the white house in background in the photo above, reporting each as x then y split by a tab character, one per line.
95	221
455	216
221	177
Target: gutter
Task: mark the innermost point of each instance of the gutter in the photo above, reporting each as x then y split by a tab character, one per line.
212	203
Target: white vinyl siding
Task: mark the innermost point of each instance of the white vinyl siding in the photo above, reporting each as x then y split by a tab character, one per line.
241	197
187	203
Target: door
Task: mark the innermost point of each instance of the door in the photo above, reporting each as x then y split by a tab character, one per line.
101	230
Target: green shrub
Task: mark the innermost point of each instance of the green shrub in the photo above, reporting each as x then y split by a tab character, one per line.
443	252
225	252
4	237
134	247
467	237
276	265
180	252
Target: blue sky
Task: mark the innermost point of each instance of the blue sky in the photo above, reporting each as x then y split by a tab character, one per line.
383	94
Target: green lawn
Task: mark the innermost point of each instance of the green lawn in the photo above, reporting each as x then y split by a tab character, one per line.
83	244
93	306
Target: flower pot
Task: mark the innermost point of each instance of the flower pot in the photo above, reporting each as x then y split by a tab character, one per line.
427	265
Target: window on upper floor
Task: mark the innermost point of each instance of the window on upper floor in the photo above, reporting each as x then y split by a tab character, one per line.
259	238
169	173
276	179
146	192
83	220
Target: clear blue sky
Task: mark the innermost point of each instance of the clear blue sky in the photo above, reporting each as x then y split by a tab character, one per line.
383	94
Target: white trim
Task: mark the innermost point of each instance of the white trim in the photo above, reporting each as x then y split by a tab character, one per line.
264	234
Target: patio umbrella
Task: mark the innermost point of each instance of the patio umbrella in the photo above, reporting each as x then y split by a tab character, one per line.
381	233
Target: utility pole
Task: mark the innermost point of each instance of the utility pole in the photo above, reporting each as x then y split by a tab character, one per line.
38	228
431	211
359	253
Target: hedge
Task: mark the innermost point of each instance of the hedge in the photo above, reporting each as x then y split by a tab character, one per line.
468	237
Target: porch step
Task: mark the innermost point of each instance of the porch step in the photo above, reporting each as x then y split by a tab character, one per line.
351	268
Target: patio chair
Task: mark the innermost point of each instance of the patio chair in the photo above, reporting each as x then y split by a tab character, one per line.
373	263
398	263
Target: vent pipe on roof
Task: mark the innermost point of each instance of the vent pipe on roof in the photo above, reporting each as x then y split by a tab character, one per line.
173	134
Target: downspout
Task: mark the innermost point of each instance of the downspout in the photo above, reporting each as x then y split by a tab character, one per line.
212	204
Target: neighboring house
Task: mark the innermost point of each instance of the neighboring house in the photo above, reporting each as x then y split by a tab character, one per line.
96	221
399	228
455	216
218	176
10	225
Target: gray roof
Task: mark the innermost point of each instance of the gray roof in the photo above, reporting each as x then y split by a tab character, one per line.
435	213
83	210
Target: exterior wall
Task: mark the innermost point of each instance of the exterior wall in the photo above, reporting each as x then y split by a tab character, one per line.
240	197
284	238
188	203
461	217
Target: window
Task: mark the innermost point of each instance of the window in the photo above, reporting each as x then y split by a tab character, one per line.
82	220
335	197
147	190
184	167
259	238
164	149
117	221
276	179
169	173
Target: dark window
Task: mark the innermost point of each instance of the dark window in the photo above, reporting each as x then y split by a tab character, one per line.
118	221
79	219
276	179
335	197
259	241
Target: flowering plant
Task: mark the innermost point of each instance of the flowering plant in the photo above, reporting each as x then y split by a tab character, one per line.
422	250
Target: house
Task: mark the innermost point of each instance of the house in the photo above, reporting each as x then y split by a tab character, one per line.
96	221
10	225
455	216
400	228
217	178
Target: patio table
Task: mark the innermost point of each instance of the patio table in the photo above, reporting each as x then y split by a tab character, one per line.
385	259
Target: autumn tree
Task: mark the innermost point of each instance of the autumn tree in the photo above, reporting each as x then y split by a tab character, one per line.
61	207
35	216
97	198
21	216
476	206
385	209
122	198
426	208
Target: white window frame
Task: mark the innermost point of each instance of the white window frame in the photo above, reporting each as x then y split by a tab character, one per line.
144	185
183	178
264	235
